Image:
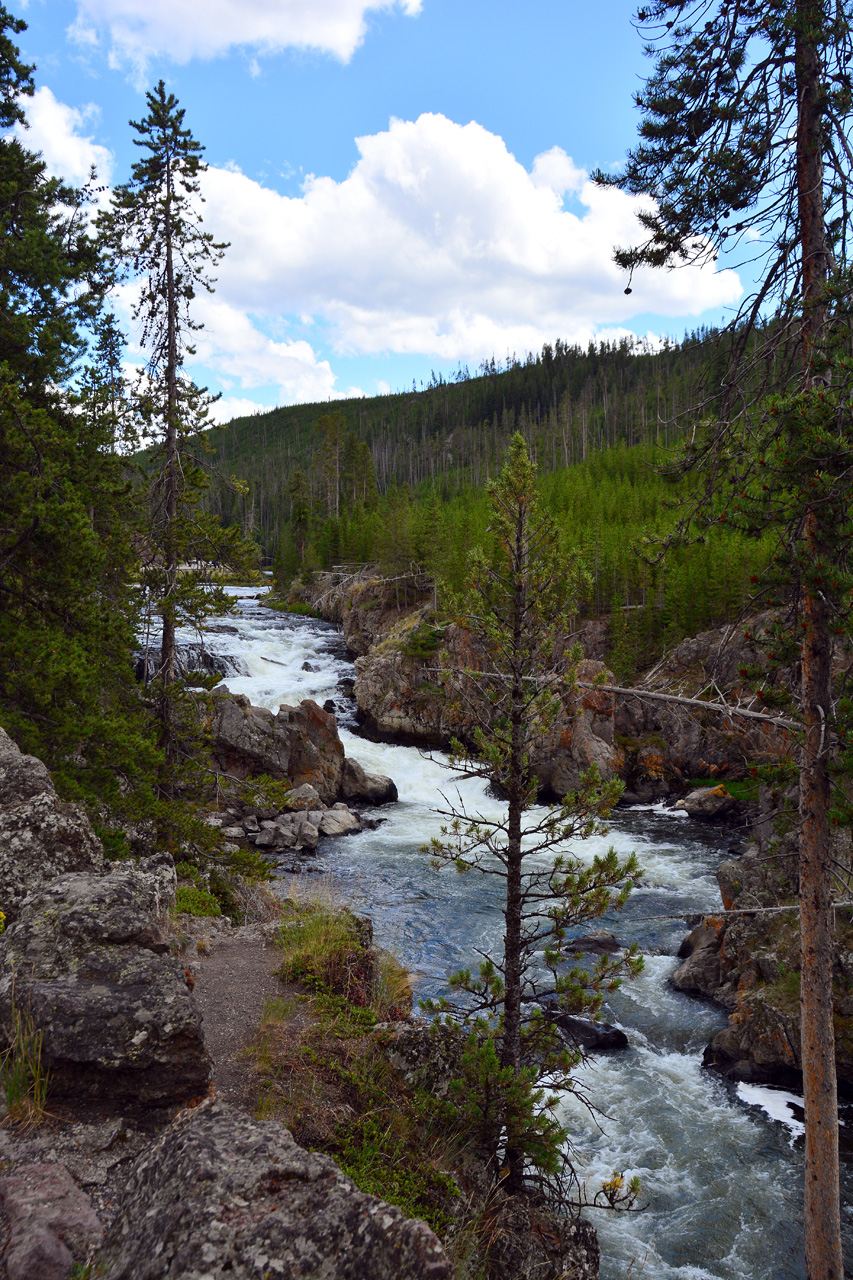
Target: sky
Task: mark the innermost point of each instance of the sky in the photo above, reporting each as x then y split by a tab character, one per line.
403	183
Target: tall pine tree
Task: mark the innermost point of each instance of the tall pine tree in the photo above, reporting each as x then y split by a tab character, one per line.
745	141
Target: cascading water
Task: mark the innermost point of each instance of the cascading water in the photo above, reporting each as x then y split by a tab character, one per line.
721	1166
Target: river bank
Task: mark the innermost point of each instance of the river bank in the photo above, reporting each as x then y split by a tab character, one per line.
667	1119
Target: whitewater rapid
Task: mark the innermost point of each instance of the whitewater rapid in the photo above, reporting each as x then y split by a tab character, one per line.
721	1166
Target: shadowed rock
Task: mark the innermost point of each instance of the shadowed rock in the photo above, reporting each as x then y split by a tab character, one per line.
88	959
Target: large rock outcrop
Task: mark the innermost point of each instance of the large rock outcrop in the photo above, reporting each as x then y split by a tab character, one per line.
40	836
87	958
399	698
749	962
221	1195
300	744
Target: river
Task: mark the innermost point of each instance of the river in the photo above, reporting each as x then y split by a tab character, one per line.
721	1165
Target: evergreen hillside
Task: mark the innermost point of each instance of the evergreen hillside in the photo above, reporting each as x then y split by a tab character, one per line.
400	480
568	403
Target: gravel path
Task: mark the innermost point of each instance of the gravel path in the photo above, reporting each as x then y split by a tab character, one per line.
232	983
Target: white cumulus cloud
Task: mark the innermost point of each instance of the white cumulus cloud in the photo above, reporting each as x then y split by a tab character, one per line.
60	134
242	355
440	242
136	30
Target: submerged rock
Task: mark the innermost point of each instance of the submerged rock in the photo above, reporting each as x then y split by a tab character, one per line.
221	1195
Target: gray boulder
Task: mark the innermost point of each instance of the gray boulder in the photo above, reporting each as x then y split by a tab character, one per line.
338	822
700	951
305	796
40	836
21	777
220	1195
371	788
88	958
50	1220
708	803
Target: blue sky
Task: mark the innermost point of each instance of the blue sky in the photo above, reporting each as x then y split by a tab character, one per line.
403	182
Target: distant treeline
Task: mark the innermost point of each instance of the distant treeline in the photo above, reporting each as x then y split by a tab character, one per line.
568	402
610	510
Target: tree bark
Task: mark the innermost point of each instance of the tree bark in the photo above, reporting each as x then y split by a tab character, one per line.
822	1207
511	1042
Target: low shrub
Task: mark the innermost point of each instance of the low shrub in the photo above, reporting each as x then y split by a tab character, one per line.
193	900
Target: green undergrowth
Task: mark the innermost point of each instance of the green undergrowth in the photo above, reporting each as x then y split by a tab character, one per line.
423	641
291	606
323	1071
193	900
23	1077
744	789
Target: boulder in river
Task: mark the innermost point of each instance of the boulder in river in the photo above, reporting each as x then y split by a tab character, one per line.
371	788
50	1220
300	744
88	959
221	1195
584	1033
708	803
596	943
700	952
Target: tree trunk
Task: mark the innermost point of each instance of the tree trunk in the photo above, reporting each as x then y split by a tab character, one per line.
511	1043
822	1209
170	546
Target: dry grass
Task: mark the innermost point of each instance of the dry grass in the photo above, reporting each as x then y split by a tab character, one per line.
23	1077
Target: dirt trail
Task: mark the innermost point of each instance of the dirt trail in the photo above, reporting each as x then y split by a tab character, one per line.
232	983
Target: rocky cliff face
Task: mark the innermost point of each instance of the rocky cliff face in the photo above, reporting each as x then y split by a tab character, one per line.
749	962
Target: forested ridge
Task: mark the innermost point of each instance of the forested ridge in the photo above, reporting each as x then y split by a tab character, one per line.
401	481
568	402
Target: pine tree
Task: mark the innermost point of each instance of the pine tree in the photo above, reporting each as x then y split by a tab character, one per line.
516	613
744	140
67	609
154	230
